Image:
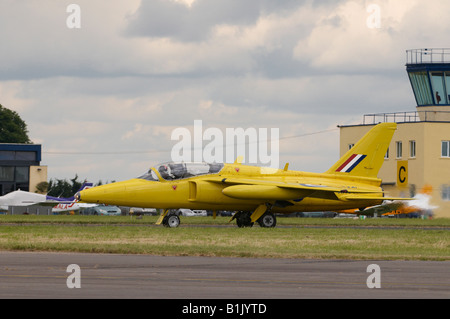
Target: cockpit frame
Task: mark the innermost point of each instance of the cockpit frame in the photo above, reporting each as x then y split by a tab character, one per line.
171	171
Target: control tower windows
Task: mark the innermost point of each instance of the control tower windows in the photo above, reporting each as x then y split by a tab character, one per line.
421	87
447	84
439	91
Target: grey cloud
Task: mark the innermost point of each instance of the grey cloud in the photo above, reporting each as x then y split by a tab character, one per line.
175	20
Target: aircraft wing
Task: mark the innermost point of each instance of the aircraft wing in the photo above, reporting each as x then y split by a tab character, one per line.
379	210
69	205
44	203
274	190
418	203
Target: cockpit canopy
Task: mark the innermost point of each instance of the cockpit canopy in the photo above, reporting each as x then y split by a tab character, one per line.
179	170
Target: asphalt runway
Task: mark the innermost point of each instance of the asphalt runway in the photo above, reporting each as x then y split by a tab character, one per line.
45	275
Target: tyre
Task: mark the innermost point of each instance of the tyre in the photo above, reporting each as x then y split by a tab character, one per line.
243	220
172	221
267	220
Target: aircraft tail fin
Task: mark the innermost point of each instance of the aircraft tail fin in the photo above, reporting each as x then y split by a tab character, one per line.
84	186
72	198
366	157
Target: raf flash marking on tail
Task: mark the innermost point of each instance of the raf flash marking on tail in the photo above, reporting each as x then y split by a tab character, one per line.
351	163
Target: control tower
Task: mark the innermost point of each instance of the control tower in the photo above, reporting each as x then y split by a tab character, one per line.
429	74
418	157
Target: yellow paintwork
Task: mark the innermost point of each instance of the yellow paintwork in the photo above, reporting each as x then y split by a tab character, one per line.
249	188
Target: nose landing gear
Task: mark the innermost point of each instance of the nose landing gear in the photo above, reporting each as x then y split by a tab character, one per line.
171	221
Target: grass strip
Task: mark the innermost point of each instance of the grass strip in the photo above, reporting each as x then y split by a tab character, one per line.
149	220
314	243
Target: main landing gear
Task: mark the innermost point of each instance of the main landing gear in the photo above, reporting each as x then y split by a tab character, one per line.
267	220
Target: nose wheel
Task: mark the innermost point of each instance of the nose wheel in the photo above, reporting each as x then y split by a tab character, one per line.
171	221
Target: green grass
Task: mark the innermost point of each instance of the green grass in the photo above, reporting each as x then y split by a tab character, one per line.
405	239
150	220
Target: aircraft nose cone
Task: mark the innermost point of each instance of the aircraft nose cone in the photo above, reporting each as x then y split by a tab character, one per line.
98	194
132	193
118	193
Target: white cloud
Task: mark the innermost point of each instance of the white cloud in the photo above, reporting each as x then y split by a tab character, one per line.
342	40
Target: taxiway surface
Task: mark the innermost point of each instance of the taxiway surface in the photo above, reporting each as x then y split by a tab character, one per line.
44	275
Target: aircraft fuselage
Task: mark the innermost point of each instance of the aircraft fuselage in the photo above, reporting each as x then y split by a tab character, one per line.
218	191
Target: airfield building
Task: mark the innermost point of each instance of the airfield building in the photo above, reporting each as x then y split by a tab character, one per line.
20	167
418	158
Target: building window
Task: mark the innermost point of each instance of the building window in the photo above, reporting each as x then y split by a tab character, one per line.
399	149
445	149
412	190
412	149
25	156
445	192
17	156
7	155
386	156
7	174
22	174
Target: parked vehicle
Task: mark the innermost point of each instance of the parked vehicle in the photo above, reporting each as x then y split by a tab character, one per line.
142	211
103	210
189	212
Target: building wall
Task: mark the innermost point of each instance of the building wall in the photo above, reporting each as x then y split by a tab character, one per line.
38	174
427	168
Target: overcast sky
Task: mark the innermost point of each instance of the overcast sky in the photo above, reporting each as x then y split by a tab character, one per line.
104	99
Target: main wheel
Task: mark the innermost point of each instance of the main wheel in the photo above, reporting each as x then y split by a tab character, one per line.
171	221
267	220
243	219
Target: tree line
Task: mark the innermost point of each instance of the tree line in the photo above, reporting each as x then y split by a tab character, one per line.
63	187
14	130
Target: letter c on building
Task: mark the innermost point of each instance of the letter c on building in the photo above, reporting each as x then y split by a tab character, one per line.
402	173
401	178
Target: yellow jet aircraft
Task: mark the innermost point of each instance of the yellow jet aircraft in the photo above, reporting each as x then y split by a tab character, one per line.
256	193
